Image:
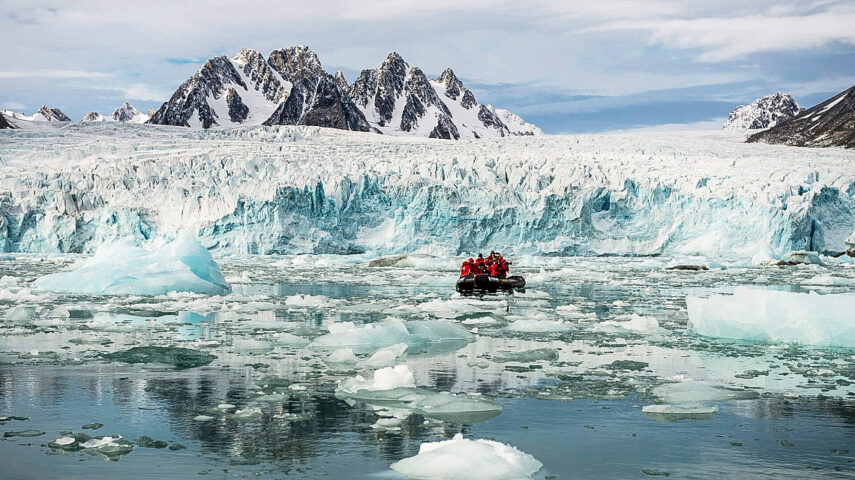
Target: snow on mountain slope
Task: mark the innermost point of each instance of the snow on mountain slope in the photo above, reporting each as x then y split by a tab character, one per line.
516	125
763	113
93	117
307	189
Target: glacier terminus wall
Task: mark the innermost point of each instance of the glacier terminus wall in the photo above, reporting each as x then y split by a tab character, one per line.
282	189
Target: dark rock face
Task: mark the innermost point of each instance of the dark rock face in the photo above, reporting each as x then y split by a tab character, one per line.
319	102
390	84
53	114
445	129
92	117
829	124
489	119
5	123
237	110
191	96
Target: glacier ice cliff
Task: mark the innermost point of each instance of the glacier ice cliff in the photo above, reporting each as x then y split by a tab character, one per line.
268	190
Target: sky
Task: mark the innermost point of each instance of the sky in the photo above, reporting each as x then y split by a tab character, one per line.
567	66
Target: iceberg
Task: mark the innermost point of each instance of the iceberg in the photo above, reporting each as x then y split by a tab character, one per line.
462	458
122	268
772	316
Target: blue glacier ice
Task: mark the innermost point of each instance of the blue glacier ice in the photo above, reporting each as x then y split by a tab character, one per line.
283	190
182	265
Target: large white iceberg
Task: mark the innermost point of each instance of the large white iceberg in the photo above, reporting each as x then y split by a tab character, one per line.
182	265
760	315
461	458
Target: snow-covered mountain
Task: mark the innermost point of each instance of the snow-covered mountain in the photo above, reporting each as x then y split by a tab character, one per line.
44	114
763	113
829	124
127	113
288	189
515	123
291	87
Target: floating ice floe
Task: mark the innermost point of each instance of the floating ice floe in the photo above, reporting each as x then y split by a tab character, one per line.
637	324
462	458
670	413
699	392
300	300
182	265
386	356
760	315
539	326
373	336
342	356
394	387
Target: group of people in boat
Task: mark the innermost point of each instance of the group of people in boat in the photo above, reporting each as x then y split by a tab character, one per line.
495	266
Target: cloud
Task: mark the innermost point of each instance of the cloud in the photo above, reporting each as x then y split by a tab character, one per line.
57	74
731	37
144	92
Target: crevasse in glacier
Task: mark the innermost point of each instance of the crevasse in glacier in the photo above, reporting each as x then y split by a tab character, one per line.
311	190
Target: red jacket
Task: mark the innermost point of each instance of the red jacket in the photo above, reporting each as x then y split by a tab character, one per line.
467	268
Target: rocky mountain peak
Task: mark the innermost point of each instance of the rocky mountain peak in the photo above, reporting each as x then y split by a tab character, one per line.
53	114
453	85
125	113
764	112
341	81
92	117
296	63
4	123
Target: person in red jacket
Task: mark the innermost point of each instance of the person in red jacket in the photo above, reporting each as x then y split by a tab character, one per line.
468	268
481	266
501	268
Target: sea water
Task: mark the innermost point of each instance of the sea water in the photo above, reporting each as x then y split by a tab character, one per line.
264	380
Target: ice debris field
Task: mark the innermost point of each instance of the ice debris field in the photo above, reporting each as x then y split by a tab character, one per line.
279	303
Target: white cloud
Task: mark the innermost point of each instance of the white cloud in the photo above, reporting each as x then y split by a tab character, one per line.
144	92
58	74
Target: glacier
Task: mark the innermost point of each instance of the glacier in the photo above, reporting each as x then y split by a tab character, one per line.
71	187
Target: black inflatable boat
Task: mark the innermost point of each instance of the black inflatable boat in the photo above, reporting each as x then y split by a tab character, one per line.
469	283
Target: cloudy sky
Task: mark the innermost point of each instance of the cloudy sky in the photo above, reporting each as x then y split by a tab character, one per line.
568	66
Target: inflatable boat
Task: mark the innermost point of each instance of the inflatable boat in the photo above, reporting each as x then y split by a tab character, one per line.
469	283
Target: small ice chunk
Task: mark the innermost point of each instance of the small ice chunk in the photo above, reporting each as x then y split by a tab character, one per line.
342	355
386	356
462	458
761	315
248	413
64	441
539	326
290	340
387	378
802	257
8	281
479	321
638	324
122	268
203	418
225	406
373	336
100	442
672	413
20	315
300	300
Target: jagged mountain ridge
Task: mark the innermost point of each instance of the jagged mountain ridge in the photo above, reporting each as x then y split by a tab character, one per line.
5	123
764	112
829	124
291	87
